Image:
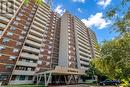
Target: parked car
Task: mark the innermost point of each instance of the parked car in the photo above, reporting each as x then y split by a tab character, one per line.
110	82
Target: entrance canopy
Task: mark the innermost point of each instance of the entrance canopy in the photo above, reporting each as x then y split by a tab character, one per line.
65	71
68	73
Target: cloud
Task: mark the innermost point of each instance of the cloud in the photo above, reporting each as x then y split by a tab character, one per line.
79	1
96	20
104	3
79	10
59	9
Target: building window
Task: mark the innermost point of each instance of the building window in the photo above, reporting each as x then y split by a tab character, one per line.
30	15
48	57
29	69
2	47
27	23
21	37
50	42
6	40
42	50
23	32
9	66
20	14
15	50
13	28
30	77
69	51
22	77
29	19
47	63
18	18
22	10
18	43
50	47
49	52
1	32
51	38
9	34
15	23
70	63
39	62
69	57
26	27
12	57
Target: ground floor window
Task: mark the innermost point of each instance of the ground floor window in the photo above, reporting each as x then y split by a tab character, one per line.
22	78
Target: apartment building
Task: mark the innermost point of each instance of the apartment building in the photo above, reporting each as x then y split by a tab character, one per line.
49	53
11	38
26	65
35	40
95	50
77	43
21	41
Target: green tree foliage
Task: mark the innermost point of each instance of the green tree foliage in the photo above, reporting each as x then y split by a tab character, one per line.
120	16
38	2
115	58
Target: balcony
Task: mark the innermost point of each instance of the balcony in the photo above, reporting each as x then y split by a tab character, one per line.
86	54
85	58
39	25
4	18
41	20
32	37
85	45
83	62
29	56
84	49
84	68
39	16
43	10
22	63
17	3
22	72
37	28
30	49
32	43
36	33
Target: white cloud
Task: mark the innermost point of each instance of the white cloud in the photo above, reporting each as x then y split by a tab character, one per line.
79	10
59	9
79	1
96	20
104	3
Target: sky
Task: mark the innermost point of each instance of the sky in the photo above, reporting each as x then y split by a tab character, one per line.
91	12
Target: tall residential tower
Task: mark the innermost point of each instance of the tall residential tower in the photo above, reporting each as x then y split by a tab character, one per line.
35	41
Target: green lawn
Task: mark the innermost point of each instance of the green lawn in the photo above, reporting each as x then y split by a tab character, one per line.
24	86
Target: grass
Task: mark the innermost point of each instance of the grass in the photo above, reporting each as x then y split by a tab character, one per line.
24	86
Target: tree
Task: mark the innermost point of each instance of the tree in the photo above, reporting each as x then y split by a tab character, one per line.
38	2
115	58
120	16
